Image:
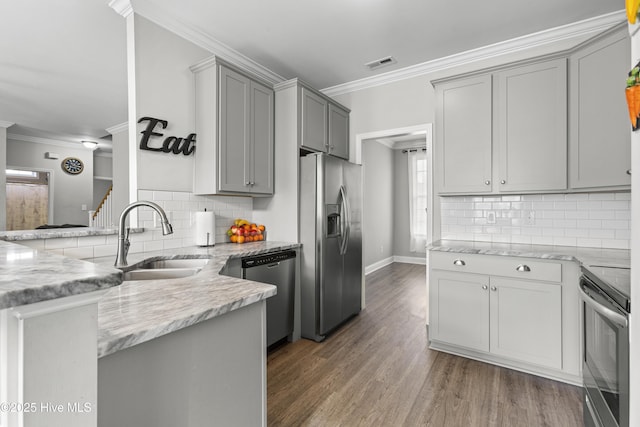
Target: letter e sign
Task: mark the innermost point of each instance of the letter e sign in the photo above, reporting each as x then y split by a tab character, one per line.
171	144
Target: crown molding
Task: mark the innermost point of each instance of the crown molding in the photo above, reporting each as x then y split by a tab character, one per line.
199	38
39	140
118	128
121	7
5	125
577	29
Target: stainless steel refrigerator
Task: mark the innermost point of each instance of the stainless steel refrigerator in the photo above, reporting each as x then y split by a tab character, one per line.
331	236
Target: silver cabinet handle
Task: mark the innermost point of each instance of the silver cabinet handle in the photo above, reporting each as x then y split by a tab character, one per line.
628	171
503	182
487	182
523	267
459	262
493	288
484	287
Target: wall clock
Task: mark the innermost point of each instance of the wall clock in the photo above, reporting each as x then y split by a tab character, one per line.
72	165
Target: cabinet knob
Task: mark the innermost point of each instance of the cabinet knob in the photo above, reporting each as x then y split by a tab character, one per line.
459	262
484	287
523	267
487	182
628	171
493	288
503	182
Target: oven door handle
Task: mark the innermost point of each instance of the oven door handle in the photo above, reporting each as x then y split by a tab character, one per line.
616	318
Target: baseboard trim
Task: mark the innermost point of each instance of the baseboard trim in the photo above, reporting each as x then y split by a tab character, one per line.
404	259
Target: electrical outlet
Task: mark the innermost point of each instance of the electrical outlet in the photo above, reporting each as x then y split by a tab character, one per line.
83	207
491	217
530	219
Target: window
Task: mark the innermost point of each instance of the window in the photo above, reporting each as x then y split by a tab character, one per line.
417	200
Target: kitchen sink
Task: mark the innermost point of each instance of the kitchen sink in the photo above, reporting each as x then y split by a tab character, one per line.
173	263
159	274
159	269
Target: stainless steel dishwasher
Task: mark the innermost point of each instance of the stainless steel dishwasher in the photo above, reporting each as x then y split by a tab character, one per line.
279	269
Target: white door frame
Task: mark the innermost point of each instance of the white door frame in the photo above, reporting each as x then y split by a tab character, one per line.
427	129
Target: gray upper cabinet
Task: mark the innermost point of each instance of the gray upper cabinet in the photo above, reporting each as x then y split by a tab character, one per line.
324	124
600	140
338	131
531	127
235	128
464	135
314	121
503	131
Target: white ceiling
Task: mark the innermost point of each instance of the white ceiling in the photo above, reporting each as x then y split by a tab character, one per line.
63	64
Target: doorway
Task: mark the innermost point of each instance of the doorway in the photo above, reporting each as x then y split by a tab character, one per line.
28	198
384	156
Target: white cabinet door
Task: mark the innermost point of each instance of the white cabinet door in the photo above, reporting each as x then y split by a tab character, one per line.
599	141
531	127
464	136
314	121
338	132
459	309
526	321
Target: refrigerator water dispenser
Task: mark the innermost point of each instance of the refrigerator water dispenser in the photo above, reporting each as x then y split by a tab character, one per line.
333	220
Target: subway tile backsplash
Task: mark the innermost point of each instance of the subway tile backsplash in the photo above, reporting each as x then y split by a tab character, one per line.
600	220
180	208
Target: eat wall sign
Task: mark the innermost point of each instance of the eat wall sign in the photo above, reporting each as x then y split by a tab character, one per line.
170	144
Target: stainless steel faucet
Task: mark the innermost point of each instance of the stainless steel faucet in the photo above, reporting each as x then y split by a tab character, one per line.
123	236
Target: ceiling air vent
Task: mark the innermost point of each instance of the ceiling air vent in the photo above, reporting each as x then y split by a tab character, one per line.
383	62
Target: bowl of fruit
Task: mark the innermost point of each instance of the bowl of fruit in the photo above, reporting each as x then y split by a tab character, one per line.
243	231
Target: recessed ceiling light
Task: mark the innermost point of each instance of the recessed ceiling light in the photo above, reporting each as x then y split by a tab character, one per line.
382	62
92	145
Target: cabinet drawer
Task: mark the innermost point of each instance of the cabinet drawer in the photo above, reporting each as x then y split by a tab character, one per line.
495	265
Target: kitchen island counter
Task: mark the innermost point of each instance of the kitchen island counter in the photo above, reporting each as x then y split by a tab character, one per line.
139	311
29	276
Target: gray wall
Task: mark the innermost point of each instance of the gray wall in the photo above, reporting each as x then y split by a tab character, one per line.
377	161
70	191
165	89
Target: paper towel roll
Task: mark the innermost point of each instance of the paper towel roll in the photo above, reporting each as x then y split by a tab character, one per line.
205	228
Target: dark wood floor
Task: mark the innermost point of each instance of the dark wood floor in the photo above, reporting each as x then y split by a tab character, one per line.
378	371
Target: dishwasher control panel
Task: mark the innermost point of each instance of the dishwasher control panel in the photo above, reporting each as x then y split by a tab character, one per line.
255	261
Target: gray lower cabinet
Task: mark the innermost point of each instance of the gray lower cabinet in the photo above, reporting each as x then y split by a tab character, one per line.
599	138
515	312
235	130
324	124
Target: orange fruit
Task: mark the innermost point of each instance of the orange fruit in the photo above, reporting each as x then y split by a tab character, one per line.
248	239
234	238
261	227
241	239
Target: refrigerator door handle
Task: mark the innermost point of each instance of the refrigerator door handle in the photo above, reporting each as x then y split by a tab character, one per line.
345	220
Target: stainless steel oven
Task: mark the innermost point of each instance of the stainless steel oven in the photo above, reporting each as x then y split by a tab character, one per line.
606	305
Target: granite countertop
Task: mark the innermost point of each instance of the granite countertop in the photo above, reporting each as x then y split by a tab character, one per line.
138	311
28	276
55	233
585	256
